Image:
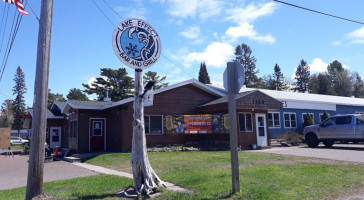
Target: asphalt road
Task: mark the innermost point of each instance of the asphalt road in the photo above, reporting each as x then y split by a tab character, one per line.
14	171
343	152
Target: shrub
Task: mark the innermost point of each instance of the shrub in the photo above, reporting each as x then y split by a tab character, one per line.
307	121
291	138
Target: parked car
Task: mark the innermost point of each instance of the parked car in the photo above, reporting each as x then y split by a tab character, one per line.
18	140
343	128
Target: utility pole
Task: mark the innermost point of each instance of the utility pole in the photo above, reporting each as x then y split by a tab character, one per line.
39	122
233	127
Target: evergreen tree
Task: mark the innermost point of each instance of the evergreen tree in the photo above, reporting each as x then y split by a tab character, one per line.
325	116
152	76
307	121
324	84
358	85
243	54
302	77
77	94
278	79
313	84
54	97
19	103
343	84
203	75
269	82
116	81
6	114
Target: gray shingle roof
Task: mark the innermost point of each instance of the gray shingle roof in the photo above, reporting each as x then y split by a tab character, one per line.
225	98
89	103
50	113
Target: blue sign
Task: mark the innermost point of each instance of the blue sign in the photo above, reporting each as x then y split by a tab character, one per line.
136	43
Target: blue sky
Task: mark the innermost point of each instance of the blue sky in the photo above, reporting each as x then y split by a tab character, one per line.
192	31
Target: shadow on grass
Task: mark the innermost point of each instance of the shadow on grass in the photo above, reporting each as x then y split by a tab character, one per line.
102	196
88	158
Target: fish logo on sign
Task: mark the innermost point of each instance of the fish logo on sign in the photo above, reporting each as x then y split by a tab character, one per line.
136	43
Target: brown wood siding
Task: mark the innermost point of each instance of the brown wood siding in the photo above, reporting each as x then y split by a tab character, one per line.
180	101
114	129
83	127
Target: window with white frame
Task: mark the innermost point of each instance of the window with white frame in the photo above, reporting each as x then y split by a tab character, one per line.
245	122
97	128
321	115
153	124
304	115
274	120
290	120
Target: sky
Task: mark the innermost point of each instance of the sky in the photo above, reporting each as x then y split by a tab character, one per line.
191	31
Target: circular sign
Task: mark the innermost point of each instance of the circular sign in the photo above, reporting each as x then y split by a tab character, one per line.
136	43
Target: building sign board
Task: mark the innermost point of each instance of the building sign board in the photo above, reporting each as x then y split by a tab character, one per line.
136	43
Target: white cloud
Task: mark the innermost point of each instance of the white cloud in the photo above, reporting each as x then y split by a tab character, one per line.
318	65
215	55
90	81
357	36
247	30
191	8
250	12
192	32
336	43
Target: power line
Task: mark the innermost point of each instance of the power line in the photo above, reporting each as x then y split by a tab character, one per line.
103	13
32	10
6	20
322	13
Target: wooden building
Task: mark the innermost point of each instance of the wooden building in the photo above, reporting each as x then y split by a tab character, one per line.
189	111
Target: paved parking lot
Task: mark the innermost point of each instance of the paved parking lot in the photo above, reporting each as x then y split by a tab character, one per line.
14	171
343	152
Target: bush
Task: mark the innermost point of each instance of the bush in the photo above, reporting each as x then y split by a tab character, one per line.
308	121
291	138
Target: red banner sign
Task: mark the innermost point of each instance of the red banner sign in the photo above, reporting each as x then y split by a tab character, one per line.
198	123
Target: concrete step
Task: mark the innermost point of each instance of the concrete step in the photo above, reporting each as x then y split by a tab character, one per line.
72	159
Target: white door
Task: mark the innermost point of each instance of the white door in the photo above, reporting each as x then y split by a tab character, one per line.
55	137
261	130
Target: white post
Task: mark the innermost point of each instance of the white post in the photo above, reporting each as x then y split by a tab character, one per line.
146	180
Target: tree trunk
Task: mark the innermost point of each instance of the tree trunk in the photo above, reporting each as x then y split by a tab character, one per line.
146	180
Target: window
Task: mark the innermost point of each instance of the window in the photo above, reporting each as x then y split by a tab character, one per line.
290	120
97	128
359	119
245	122
153	124
73	129
273	120
359	112
321	115
343	120
304	115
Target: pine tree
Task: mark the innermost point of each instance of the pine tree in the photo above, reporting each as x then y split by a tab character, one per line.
278	79
203	75
243	54
116	81
358	85
153	76
307	121
6	114
302	77
19	103
325	116
77	94
52	97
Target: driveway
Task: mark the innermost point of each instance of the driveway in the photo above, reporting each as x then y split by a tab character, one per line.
343	152
14	171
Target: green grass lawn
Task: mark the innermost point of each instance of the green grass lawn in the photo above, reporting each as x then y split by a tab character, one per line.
17	147
262	176
95	187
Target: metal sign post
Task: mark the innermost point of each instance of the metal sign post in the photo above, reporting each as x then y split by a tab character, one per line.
233	81
137	44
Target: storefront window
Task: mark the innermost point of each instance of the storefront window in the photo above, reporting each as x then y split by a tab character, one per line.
245	122
153	124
